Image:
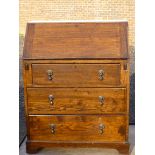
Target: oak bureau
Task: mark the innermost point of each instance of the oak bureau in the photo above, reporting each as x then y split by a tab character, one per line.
76	80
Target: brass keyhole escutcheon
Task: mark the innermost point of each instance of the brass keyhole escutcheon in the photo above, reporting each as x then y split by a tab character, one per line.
101	100
101	128
101	74
50	74
52	126
51	99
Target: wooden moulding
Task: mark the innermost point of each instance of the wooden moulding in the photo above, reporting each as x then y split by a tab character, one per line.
34	147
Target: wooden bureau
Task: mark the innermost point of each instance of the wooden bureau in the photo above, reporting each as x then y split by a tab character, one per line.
76	79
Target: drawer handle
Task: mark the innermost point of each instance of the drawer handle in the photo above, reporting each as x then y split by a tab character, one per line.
52	126
51	99
101	128
101	99
50	74
101	74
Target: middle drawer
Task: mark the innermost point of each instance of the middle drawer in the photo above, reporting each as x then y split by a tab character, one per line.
76	100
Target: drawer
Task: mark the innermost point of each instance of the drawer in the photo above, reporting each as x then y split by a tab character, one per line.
84	128
76	100
76	75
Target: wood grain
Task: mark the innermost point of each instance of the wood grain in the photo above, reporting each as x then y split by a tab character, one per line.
75	52
76	75
78	128
35	146
76	40
77	61
76	100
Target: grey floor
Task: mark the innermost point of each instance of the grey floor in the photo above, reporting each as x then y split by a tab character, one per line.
84	151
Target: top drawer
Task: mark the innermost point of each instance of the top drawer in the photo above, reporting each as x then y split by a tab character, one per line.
76	75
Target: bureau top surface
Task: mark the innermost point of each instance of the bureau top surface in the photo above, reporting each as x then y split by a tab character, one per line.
76	40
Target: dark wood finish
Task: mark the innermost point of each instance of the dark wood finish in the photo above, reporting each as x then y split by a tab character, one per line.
76	75
123	80
77	61
76	100
123	148
28	40
75	52
31	148
78	128
76	40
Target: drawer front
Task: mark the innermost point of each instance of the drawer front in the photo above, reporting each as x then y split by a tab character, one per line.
84	128
76	75
76	100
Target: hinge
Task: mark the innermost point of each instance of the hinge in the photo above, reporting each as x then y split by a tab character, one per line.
125	66
26	66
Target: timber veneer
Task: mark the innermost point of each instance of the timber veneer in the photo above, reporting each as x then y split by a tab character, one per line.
76	79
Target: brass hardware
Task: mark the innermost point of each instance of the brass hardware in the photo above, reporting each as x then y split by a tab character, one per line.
51	99
101	128
101	100
52	126
26	66
101	74
50	74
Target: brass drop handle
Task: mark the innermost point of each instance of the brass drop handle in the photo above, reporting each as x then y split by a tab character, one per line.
101	74
101	100
50	74
51	99
101	128
52	126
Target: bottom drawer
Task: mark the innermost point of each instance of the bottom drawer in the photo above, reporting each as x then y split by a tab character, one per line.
83	128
